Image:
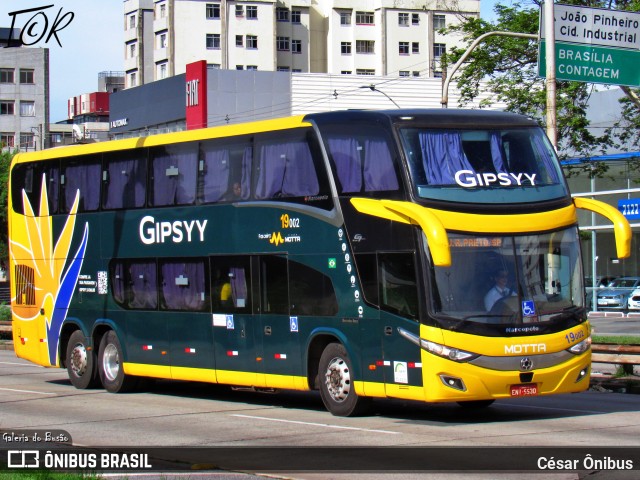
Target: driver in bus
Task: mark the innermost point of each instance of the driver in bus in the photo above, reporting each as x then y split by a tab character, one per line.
499	290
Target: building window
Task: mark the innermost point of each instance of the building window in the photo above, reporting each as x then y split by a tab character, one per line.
26	76
282	44
252	12
437	74
415	47
439	22
416	73
296	16
283	69
7	140
239	67
439	49
27	141
365	71
415	19
404	73
239	10
132	21
345	18
365	46
403	19
282	14
162	40
162	71
403	48
252	67
7	75
213	11
133	79
252	41
345	48
346	72
162	10
296	46
213	41
27	109
239	41
364	18
131	49
7	107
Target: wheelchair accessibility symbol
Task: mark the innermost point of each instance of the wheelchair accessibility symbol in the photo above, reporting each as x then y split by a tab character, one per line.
528	308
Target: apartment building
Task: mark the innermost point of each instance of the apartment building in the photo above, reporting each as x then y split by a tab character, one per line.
366	37
24	95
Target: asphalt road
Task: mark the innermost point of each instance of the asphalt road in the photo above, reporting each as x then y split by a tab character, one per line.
177	414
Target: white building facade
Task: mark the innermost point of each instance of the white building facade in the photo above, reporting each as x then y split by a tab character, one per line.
366	37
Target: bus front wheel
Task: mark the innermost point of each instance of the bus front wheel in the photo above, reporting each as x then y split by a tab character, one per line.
81	362
336	383
110	357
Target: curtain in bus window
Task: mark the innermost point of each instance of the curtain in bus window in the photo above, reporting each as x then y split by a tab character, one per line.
86	178
286	169
118	283
238	287
183	286
346	157
379	172
247	162
497	156
126	183
175	175
442	156
144	287
215	175
543	153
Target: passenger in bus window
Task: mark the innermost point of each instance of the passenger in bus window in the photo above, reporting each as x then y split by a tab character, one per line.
499	290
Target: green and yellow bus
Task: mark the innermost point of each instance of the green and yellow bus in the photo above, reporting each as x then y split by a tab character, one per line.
430	255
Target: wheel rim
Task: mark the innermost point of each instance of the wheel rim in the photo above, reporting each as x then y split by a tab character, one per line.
78	360
338	379
110	362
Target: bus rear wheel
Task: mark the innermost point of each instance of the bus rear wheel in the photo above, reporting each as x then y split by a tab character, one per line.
81	362
112	374
336	383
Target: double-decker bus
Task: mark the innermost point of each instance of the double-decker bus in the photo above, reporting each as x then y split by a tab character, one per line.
430	255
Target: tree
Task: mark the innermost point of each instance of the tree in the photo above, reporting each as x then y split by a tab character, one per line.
509	66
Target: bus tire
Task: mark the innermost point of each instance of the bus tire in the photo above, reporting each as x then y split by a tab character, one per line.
112	374
475	403
81	362
336	383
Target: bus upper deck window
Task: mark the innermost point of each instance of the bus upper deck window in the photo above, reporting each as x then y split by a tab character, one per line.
174	171
82	176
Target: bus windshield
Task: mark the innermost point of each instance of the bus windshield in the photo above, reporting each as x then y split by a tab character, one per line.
511	281
516	165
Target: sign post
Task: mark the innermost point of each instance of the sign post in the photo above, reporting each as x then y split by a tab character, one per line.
594	45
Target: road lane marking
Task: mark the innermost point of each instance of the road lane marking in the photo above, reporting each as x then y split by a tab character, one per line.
27	391
20	364
325	425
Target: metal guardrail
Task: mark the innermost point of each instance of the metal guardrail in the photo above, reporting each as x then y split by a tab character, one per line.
617	354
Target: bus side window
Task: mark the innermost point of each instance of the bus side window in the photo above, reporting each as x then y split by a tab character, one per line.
29	177
230	284
184	285
312	292
284	166
82	175
398	287
174	170
367	267
125	179
214	171
274	288
134	284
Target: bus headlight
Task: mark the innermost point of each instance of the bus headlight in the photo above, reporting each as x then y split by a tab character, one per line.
580	347
437	349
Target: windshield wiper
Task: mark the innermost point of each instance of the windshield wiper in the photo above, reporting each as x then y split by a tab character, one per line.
569	313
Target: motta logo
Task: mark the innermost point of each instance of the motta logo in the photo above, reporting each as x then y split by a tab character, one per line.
276	239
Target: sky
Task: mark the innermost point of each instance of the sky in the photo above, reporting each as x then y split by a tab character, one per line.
90	34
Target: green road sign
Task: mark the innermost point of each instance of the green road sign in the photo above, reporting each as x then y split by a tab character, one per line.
594	64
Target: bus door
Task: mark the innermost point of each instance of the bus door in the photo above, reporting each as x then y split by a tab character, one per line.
279	357
235	327
398	297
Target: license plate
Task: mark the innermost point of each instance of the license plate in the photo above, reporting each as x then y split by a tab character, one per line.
527	390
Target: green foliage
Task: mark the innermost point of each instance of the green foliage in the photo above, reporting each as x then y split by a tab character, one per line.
509	66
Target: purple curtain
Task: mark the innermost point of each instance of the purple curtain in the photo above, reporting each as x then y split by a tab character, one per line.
238	287
216	175
126	183
442	156
543	153
496	152
183	286
346	158
175	176
144	285
118	283
379	172
286	169
247	162
86	178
